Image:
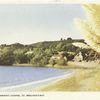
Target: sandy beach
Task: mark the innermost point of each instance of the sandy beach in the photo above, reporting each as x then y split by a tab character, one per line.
86	78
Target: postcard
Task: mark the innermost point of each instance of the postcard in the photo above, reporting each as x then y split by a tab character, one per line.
50	50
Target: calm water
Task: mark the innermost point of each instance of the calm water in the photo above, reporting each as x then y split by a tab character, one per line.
10	76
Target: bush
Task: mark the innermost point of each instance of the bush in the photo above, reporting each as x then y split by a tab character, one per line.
61	61
6	57
52	62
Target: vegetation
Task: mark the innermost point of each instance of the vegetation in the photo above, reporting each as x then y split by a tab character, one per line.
90	28
40	54
6	56
84	79
60	53
87	72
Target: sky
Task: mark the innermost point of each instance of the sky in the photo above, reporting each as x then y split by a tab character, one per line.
31	23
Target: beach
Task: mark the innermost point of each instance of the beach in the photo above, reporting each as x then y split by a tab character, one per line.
86	78
35	86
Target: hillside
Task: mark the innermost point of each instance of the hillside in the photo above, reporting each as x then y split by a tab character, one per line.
40	54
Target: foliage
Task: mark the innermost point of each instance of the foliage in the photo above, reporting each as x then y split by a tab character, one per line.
61	61
6	56
52	62
90	27
39	54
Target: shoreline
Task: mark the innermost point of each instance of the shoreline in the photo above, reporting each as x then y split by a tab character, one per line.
70	64
36	85
86	78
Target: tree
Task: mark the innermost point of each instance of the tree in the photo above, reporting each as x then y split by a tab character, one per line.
90	27
52	62
61	39
59	46
61	61
36	61
69	39
20	57
6	56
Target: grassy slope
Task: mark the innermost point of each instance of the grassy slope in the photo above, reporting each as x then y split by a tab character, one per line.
85	79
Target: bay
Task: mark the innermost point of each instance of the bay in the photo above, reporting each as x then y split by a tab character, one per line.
12	76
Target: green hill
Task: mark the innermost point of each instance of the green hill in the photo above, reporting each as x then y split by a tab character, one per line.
39	54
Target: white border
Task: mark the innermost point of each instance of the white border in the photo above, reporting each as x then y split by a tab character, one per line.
47	1
53	95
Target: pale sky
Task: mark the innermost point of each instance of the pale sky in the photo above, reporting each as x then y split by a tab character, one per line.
28	24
